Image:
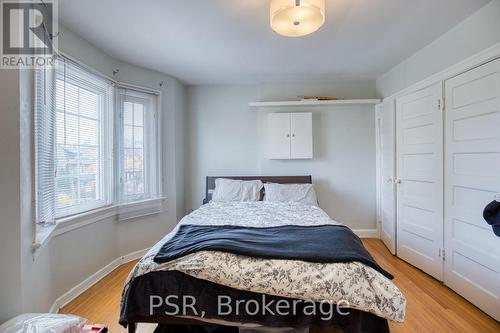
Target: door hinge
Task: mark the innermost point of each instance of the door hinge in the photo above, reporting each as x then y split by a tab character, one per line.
441	102
442	254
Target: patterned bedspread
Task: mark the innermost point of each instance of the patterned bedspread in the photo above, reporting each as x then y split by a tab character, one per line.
361	286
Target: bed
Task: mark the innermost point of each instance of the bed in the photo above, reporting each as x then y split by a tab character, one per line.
204	276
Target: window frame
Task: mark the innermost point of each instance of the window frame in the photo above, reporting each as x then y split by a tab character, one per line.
151	157
106	141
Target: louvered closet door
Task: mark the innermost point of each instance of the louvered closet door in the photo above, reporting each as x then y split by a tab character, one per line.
419	124
387	134
472	178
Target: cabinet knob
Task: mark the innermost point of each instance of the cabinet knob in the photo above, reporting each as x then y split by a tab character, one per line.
293	135
399	181
288	135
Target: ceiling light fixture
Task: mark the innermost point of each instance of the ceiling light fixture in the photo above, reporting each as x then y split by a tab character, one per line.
295	18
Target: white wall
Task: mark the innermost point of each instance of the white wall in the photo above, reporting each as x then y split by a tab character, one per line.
478	32
33	285
226	137
10	229
222	137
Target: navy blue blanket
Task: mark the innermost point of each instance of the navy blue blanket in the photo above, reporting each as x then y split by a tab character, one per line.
322	244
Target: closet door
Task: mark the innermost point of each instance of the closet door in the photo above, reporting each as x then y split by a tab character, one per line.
279	135
386	162
472	178
419	125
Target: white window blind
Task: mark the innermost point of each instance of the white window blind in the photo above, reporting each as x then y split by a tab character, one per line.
138	146
83	145
91	149
44	138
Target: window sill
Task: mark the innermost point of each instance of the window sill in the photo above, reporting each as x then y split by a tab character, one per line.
132	210
43	234
116	212
69	223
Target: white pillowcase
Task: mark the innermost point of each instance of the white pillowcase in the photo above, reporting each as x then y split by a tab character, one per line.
227	190
303	193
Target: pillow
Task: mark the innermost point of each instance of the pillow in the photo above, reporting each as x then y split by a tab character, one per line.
227	190
303	193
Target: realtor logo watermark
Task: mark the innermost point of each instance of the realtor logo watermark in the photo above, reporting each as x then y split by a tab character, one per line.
185	305
27	36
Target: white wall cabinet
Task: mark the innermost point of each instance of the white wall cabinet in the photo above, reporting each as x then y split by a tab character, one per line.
290	136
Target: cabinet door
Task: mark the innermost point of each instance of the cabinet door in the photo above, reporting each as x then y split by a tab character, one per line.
419	123
279	136
386	161
472	178
301	132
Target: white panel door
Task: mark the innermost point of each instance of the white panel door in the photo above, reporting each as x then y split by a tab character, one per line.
278	135
472	178
301	132
419	124
386	161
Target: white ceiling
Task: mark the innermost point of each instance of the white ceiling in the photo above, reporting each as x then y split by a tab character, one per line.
230	41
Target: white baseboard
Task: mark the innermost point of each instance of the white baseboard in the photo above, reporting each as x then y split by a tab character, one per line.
366	233
93	279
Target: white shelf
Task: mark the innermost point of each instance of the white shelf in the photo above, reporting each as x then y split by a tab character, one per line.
313	103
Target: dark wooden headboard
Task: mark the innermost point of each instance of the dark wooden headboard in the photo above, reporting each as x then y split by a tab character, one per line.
210	186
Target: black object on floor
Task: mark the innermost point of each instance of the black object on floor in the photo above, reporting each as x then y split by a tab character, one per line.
194	329
492	215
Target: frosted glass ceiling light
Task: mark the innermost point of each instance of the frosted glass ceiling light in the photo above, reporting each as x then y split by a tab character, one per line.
295	18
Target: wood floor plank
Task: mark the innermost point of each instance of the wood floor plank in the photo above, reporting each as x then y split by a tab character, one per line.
431	306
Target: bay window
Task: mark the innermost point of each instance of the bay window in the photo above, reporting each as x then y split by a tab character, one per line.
96	145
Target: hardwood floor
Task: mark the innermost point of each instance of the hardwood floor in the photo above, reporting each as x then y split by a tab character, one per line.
431	306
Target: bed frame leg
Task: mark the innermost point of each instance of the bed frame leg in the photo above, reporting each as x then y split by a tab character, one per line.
132	327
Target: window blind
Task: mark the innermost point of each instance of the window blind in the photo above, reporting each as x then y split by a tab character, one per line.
83	145
44	138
